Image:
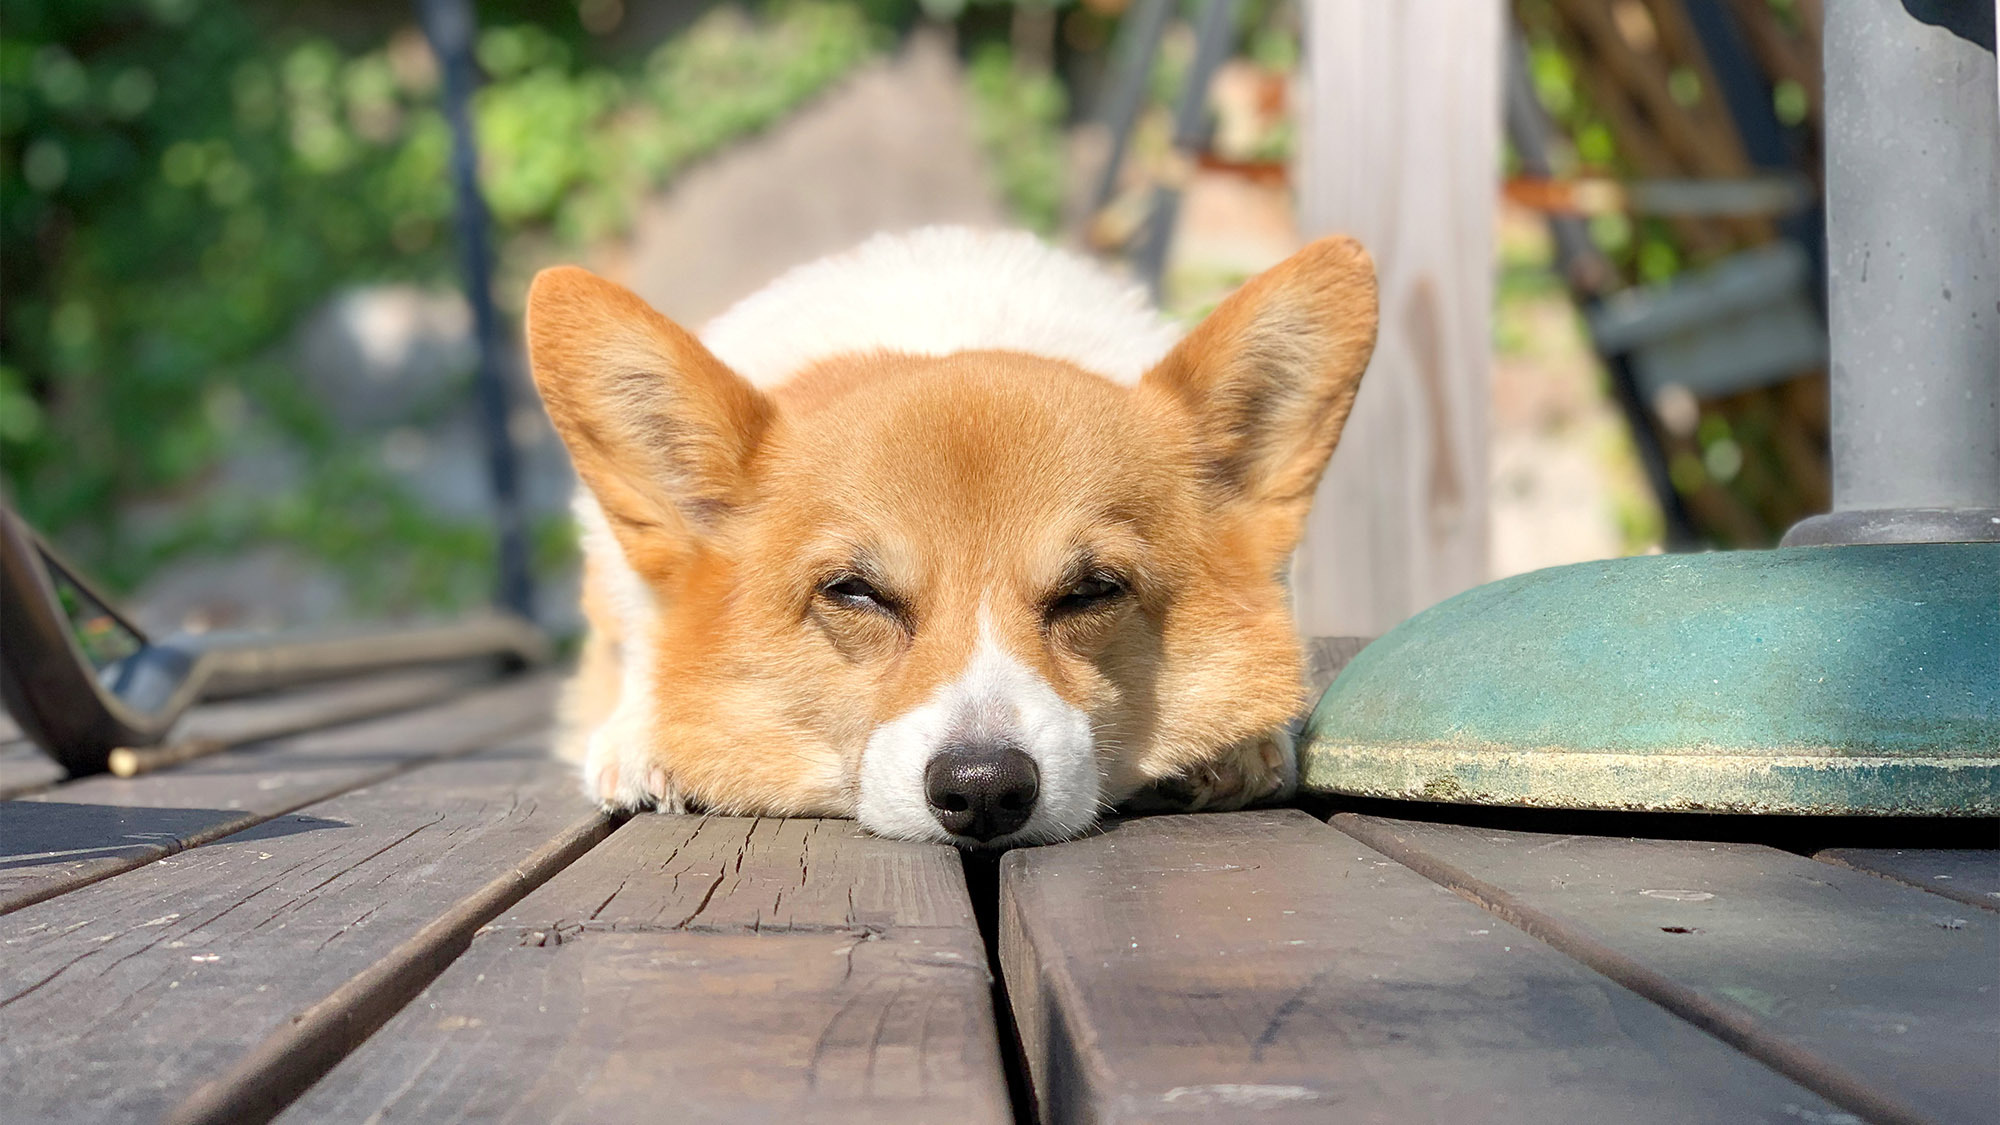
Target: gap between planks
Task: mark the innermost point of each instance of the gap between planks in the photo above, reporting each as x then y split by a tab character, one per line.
315	1040
109	826
1967	875
24	769
1732	1023
1262	966
729	968
123	996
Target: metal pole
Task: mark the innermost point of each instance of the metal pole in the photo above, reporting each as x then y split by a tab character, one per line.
1589	277
1747	93
1913	273
1213	40
450	24
1138	45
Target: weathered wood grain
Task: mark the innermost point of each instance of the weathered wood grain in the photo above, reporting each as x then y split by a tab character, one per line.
1969	875
1882	998
217	726
55	842
703	969
123	997
25	769
760	874
254	717
1260	966
1401	149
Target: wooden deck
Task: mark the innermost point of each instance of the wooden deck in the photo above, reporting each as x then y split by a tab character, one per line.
386	904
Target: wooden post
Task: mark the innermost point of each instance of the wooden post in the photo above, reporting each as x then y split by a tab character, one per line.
1401	149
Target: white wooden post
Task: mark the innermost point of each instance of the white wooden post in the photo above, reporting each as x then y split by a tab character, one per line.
1401	149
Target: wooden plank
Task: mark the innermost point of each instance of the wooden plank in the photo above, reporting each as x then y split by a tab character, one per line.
55	842
122	997
1325	657
1883	999
1259	966
1969	875
253	717
1403	152
25	769
234	722
731	969
755	874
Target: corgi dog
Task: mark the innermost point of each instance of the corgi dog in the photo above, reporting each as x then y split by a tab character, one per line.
952	534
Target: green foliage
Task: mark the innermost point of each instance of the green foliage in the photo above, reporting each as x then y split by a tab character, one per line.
1645	250
179	185
1019	115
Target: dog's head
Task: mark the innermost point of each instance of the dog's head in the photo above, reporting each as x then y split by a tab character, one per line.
976	597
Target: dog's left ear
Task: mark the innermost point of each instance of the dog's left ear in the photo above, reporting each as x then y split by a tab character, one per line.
658	427
1269	376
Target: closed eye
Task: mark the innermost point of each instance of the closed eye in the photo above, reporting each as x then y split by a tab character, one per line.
1093	592
854	592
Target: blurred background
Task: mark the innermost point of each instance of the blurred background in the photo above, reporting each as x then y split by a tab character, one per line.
236	361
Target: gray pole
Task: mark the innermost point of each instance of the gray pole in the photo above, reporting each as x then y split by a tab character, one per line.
1211	49
1913	272
451	25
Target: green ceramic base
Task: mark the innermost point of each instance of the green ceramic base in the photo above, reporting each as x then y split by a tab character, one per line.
1829	680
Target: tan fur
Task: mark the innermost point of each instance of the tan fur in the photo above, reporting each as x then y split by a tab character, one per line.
982	480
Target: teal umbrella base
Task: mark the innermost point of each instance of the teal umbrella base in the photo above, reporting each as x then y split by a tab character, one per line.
1813	680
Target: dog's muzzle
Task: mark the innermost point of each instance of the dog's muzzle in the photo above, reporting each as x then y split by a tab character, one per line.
982	790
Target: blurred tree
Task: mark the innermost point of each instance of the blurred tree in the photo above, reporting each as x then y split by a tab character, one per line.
180	181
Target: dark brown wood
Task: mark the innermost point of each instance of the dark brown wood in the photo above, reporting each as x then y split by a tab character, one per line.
1881	998
1325	657
91	829
25	769
1969	875
254	717
1260	966
131	761
703	969
755	874
121	998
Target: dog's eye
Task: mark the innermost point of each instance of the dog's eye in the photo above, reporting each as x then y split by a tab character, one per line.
1091	593
854	592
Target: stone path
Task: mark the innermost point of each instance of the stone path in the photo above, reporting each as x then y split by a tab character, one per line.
891	148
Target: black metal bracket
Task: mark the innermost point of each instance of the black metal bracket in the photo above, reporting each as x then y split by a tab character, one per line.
79	713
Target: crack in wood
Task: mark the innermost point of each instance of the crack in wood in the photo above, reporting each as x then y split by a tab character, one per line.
561	932
1275	1026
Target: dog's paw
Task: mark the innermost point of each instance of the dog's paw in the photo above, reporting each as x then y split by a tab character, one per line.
622	774
1260	771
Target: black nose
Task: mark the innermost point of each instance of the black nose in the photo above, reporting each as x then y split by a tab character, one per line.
981	790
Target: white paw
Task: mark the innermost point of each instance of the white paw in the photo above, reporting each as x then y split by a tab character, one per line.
622	774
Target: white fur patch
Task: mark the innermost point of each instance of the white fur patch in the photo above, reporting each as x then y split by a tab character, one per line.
942	290
996	697
617	770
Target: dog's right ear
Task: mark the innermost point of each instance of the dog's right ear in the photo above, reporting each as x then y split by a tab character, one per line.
1268	378
659	428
